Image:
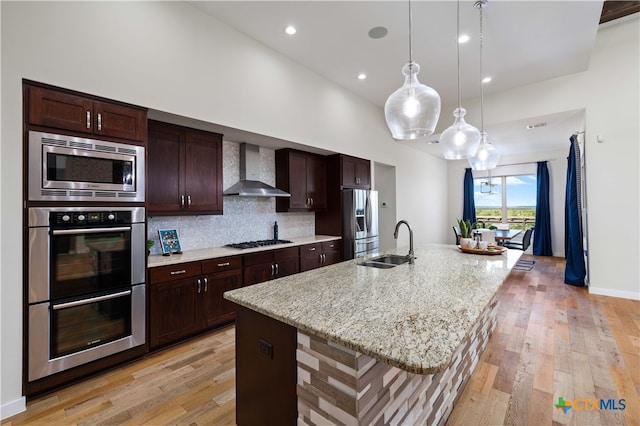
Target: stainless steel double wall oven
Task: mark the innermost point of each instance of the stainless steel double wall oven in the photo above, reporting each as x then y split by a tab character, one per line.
86	261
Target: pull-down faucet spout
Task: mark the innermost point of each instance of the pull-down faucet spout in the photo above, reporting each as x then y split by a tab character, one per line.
411	256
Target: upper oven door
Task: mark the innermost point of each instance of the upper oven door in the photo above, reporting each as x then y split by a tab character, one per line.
65	168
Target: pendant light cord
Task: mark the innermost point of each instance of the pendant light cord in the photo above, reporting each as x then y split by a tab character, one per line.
480	4
410	34
458	51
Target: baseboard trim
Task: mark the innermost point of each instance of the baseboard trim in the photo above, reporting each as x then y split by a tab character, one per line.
614	293
13	407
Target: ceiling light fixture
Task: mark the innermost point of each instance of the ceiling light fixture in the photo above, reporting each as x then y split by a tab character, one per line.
487	156
463	38
290	29
413	110
486	80
460	140
362	76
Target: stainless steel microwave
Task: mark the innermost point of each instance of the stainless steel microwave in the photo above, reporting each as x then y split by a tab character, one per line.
68	168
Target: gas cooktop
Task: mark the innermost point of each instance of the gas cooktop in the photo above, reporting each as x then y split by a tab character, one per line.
259	243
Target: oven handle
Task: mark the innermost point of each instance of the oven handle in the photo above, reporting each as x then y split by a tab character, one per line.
89	230
92	300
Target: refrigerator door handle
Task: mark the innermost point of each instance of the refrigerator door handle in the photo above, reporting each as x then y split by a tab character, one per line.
368	213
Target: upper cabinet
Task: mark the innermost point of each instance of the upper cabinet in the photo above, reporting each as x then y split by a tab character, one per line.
355	172
58	109
304	176
184	170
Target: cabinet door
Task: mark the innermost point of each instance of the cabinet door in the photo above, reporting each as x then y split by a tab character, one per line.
363	174
298	181
217	308
331	252
59	110
317	182
203	172
258	273
348	165
165	181
119	121
174	311
287	267
310	256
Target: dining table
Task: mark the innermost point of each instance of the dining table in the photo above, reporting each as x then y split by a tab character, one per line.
503	235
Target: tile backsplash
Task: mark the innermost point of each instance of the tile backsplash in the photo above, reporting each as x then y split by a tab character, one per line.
244	218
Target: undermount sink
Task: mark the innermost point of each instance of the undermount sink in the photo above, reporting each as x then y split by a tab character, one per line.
386	261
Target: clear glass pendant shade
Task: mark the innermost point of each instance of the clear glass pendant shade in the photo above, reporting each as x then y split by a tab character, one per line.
460	140
487	156
413	110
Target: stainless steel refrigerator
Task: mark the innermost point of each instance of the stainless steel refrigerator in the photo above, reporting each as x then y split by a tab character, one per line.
360	222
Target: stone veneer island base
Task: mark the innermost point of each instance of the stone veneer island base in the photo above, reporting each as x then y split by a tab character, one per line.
339	386
353	345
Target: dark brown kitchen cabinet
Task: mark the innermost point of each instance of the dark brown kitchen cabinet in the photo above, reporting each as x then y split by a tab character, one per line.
67	110
268	265
355	172
184	170
187	298
304	176
316	255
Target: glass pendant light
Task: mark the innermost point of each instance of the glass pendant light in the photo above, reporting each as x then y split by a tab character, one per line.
461	139
487	156
413	110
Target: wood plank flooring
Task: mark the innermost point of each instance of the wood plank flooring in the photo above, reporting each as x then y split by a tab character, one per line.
552	340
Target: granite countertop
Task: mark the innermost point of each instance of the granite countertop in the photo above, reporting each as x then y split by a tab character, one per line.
411	316
214	252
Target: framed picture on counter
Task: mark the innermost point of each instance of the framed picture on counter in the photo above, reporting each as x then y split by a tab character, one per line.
169	241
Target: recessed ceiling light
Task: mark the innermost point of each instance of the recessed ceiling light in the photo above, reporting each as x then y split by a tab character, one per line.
486	80
463	38
535	126
362	76
378	32
290	29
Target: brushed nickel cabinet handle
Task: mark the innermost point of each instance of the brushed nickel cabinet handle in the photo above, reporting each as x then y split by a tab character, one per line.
179	272
206	285
88	119
199	285
99	122
182	201
223	264
273	270
189	200
277	272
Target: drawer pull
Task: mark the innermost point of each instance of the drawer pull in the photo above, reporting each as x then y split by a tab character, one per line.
223	264
312	249
180	272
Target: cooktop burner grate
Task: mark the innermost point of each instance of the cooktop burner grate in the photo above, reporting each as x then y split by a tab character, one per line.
259	243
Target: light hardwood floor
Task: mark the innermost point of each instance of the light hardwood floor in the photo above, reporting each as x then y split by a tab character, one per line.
552	340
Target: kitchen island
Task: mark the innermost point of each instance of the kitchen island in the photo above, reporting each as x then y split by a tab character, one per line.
353	344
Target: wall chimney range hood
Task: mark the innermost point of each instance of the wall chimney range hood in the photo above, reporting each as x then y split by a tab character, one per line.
249	184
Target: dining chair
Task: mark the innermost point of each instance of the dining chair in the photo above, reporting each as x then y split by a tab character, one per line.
516	243
456	231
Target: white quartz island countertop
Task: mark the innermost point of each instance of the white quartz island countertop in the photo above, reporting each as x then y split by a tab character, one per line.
411	316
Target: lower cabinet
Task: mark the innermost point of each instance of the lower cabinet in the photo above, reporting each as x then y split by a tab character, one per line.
187	298
316	255
268	265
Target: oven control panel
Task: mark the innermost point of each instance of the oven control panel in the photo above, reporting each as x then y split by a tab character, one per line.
64	218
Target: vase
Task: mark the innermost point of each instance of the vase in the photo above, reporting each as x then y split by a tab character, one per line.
467	243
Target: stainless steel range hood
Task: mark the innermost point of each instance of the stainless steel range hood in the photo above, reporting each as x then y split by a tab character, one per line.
249	184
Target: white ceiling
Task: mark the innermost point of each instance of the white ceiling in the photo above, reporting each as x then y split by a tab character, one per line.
524	42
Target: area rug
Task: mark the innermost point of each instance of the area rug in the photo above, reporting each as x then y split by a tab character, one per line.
524	265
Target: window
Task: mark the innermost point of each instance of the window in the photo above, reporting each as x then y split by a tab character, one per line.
506	199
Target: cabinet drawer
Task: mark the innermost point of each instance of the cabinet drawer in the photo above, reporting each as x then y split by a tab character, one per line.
174	272
310	250
331	245
221	264
286	253
258	258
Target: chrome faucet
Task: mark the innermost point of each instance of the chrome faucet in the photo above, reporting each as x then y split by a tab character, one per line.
411	256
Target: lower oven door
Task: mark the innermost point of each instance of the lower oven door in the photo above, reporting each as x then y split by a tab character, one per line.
68	334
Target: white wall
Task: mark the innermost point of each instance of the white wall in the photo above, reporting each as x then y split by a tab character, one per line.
385	184
609	91
169	57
